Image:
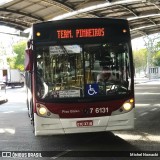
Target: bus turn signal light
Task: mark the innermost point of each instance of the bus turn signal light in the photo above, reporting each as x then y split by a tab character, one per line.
38	34
124	30
131	100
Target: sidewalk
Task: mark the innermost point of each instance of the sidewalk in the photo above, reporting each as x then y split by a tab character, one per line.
144	80
140	80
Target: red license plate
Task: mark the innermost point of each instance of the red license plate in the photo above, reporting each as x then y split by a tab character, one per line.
84	123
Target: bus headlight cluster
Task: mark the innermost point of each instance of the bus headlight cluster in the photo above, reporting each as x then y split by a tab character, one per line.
42	110
128	105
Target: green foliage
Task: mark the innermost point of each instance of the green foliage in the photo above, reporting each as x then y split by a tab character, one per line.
156	59
152	44
140	59
157	46
11	62
156	56
17	62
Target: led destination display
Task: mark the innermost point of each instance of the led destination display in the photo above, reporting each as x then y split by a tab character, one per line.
81	33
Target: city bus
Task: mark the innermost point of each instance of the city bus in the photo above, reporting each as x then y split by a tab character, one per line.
79	76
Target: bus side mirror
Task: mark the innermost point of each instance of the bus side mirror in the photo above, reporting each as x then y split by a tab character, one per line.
28	60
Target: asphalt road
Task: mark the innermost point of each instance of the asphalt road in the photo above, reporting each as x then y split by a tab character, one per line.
16	132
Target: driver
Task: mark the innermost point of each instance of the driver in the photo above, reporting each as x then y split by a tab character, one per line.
105	75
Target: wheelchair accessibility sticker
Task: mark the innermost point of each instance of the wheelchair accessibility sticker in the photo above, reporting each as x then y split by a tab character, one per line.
92	89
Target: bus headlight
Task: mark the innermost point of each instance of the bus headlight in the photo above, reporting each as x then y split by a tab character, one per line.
127	106
42	110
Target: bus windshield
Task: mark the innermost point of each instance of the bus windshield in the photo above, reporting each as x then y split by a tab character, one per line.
76	71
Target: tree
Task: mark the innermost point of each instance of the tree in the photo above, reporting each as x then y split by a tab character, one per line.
140	59
156	59
17	62
152	47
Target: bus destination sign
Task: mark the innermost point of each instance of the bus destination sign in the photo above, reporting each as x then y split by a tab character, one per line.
80	33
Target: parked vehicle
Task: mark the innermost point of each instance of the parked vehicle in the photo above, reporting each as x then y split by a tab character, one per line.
12	77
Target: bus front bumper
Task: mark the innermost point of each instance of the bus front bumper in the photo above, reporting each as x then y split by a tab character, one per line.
57	126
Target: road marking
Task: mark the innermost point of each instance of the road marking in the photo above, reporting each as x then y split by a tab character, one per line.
147	104
7	130
157	105
142	105
9	112
141	136
154	109
147	93
61	154
143	113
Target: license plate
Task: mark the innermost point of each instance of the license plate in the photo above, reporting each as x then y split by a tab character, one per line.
84	123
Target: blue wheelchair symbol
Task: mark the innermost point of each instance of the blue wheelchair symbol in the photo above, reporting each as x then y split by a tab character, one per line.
92	89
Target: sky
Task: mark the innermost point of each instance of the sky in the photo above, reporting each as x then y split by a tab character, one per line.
5	29
138	43
6	40
4	1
